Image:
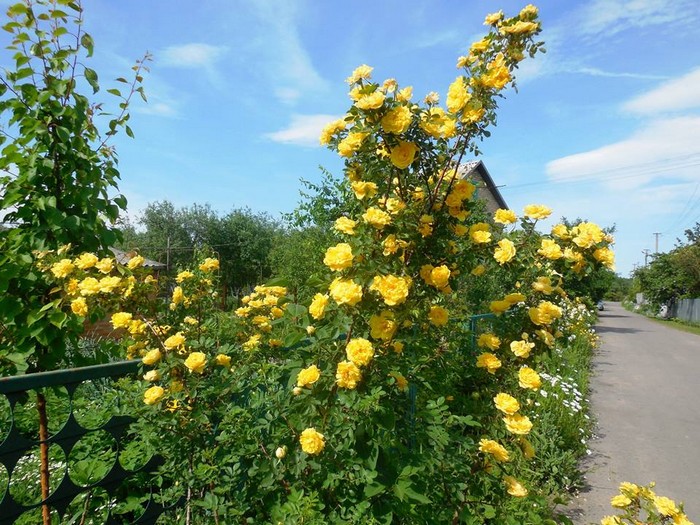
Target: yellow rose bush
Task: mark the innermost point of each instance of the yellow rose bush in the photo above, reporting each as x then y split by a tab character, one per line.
388	405
635	503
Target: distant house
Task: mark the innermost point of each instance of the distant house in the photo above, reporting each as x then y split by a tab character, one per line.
486	188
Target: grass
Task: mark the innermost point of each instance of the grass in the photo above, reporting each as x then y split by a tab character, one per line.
679	325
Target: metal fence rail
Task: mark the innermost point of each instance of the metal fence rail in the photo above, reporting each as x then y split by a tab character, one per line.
16	444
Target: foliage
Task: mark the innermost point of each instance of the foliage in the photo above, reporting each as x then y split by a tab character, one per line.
59	170
635	503
672	275
241	238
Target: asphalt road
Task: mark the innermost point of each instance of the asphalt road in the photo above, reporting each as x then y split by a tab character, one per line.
645	396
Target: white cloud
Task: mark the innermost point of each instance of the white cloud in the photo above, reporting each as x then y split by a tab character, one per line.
285	59
662	148
159	109
595	72
193	55
614	16
674	95
303	130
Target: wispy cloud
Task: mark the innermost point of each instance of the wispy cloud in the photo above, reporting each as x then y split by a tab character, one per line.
664	148
159	109
677	94
614	16
286	61
303	130
194	55
596	72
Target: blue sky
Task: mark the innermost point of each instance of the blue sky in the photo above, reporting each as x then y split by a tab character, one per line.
606	125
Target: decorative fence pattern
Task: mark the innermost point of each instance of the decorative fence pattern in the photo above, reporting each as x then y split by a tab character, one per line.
19	447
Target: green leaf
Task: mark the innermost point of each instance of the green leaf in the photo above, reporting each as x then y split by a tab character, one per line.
91	77
373	489
87	42
115	92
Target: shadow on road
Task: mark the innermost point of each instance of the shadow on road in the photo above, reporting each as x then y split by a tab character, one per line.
617	330
612	315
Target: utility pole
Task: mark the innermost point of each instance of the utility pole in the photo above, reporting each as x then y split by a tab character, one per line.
646	256
656	234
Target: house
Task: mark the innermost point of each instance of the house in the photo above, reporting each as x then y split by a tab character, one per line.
486	188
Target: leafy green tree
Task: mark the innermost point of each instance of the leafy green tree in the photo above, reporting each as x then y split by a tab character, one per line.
59	172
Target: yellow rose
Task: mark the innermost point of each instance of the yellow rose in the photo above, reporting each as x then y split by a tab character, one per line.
86	261
537	211
363	189
345	292
665	506
505	251
135	262
363	72
347	375
560	231
498	307
312	442
518	424
620	501
393	289
528	378
520	27
506	403
318	306
405	94
440	276
457	95
151	375
545	313
489	341
479	232
360	351
79	307
478	270
403	154
514	298
521	348
376	217
105	265
544	285
151	357
495	449
345	225
108	284
183	276
550	250
331	129
504	216
438	315
152	395
514	487
398	120
223	360
338	257
174	341
351	143
121	320
209	265
383	326
178	295
196	362
62	268
488	361
493	18
605	256
308	376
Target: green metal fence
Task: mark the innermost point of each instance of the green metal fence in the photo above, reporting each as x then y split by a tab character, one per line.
19	447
